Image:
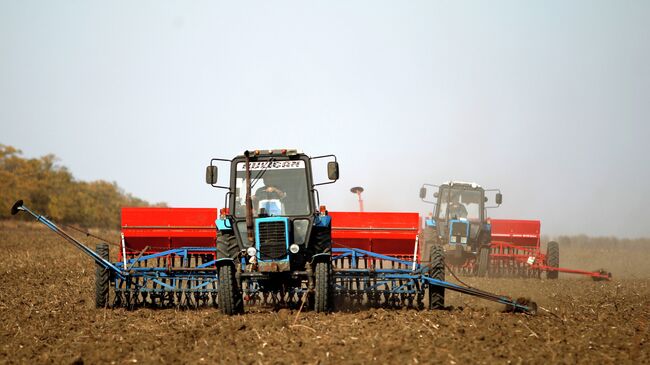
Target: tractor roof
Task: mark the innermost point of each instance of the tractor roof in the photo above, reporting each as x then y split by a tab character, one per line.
274	152
473	185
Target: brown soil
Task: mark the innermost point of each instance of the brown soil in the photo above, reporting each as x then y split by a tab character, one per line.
48	316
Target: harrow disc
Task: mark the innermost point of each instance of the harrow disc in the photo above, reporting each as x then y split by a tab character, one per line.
180	279
371	282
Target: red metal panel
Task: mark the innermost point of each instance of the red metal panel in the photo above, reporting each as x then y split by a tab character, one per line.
521	233
384	233
165	228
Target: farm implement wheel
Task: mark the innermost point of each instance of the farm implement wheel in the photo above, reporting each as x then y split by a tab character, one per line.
552	259
102	277
483	261
229	297
437	271
322	286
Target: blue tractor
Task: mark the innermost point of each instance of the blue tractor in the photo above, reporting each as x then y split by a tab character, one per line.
459	224
274	234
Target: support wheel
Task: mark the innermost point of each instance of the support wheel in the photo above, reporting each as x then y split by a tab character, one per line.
552	259
483	261
229	298
437	271
322	296
102	277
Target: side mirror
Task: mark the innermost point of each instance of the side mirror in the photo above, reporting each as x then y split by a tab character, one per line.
423	192
435	195
485	199
499	198
333	170
211	175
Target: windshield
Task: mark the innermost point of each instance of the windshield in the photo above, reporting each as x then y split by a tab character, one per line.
460	203
278	188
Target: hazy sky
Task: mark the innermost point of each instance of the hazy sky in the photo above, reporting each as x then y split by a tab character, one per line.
547	100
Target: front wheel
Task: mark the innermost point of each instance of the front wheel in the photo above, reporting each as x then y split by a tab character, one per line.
323	287
230	298
437	271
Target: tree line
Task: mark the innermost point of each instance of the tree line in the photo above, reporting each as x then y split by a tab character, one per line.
50	189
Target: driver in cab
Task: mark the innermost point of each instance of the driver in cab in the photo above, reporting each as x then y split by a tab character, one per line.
268	199
457	209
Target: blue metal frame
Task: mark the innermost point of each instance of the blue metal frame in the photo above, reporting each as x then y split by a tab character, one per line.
430	222
223	224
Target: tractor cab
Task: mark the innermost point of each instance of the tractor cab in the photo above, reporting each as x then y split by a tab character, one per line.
459	220
278	188
460	210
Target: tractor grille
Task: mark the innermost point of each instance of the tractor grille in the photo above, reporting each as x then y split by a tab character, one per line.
273	240
459	229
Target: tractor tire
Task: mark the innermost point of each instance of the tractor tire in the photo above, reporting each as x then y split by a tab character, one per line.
320	241
323	294
429	238
437	271
102	277
227	246
229	297
483	261
552	259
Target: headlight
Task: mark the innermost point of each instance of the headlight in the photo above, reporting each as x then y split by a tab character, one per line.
463	240
294	248
251	251
453	238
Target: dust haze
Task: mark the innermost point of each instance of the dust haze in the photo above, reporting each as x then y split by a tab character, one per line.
546	101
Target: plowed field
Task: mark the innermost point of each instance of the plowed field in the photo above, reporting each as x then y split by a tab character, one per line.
47	315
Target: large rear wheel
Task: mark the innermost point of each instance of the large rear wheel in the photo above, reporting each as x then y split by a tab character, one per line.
483	261
227	246
102	277
437	271
322	296
552	259
429	238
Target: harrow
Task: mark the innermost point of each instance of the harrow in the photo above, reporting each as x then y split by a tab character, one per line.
515	251
168	258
